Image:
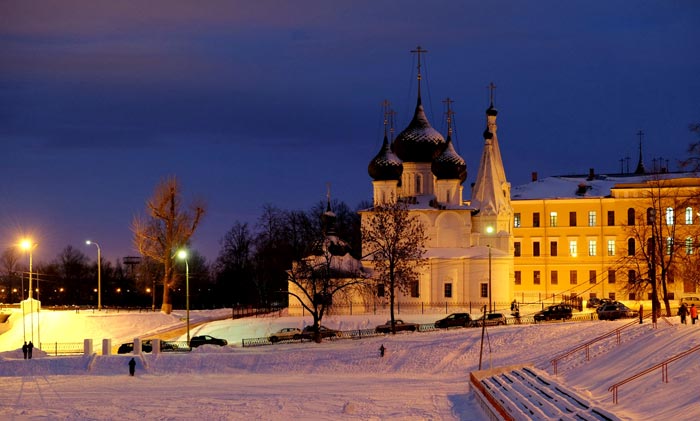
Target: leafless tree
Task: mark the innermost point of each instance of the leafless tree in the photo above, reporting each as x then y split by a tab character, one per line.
394	240
167	226
692	162
8	261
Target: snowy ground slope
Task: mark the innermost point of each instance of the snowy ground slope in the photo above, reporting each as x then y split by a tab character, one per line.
423	375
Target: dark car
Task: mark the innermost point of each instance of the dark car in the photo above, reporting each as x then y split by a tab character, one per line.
206	340
146	346
555	312
597	302
492	319
399	325
308	332
615	311
455	319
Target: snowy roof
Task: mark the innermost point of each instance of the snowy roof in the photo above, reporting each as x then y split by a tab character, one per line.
582	186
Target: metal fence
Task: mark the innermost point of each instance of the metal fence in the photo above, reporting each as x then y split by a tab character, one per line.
58	348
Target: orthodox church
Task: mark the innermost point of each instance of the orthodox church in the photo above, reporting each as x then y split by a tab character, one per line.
469	247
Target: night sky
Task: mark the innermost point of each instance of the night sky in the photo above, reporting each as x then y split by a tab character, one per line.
265	102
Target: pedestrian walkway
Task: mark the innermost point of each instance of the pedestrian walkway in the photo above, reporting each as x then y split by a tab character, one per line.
525	393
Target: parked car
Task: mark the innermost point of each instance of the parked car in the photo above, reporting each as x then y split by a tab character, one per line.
399	325
286	334
615	311
555	312
146	346
455	319
492	319
597	302
308	332
206	340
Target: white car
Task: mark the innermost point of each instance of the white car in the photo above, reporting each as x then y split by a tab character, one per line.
285	334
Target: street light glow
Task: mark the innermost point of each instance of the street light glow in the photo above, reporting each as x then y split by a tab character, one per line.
182	255
99	273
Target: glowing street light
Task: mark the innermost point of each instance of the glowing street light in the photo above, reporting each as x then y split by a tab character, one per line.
28	245
99	274
182	255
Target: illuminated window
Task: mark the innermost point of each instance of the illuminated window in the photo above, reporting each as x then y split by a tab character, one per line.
592	247
573	277
536	277
448	290
573	248
669	245
688	245
552	219
611	247
518	277
592	218
554	277
689	216
516	220
669	216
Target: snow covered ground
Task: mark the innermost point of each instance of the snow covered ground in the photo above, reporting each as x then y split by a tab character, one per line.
422	376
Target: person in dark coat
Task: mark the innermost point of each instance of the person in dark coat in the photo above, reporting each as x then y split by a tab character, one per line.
683	312
641	313
132	367
381	350
25	348
30	346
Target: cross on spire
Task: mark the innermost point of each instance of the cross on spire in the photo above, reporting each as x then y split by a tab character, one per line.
449	114
640	166
419	51
492	92
386	110
391	114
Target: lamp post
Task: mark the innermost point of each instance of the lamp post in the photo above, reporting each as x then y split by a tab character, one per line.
29	245
182	255
99	273
489	230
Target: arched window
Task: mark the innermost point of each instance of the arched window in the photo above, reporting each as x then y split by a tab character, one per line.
651	213
631	247
689	245
689	216
669	216
630	216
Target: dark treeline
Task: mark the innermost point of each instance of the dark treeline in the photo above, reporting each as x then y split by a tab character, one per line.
250	270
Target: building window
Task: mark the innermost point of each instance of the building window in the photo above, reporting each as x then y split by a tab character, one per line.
592	277
631	276
414	289
419	184
516	220
573	248
669	216
380	290
552	219
689	245
611	276
484	290
536	219
572	219
651	214
552	248
516	249
592	295
448	290
669	245
573	277
518	278
536	277
592	247
630	216
611	247
611	296
592	218
555	277
689	216
611	218
631	249
535	248
632	296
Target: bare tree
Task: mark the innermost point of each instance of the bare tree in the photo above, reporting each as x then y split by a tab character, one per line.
167	227
8	261
394	240
659	237
692	163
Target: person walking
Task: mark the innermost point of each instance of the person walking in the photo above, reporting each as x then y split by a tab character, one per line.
132	367
382	349
641	313
25	348
682	311
693	313
30	347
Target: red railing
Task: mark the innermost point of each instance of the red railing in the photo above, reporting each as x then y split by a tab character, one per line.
662	365
587	345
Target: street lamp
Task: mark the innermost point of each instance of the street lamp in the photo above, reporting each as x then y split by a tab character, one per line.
29	245
182	255
99	274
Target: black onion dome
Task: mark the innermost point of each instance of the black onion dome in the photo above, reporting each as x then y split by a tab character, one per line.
488	134
491	111
386	165
419	142
449	165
